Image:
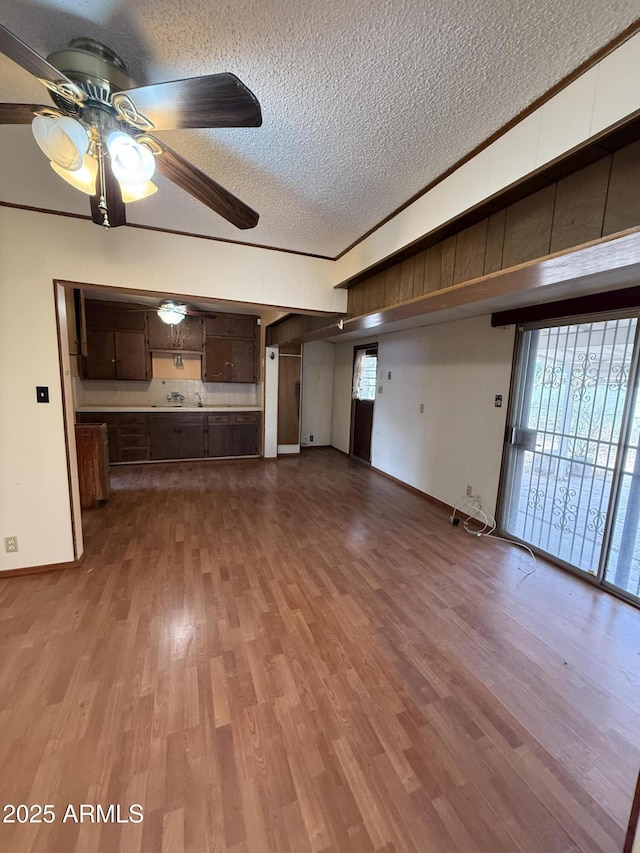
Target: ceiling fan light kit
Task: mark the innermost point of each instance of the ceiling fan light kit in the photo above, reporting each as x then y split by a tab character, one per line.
63	139
97	137
131	161
84	178
171	312
136	192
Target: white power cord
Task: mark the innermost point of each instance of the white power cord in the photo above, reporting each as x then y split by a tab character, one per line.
488	525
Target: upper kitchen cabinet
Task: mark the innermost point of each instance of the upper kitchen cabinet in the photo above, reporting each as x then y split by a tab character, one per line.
231	348
231	326
116	342
186	336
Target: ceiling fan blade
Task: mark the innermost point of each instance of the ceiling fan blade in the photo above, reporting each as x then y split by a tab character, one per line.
216	100
201	186
115	205
23	55
23	113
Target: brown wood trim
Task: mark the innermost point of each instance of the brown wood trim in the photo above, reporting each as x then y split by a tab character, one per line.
426	496
546	96
107	288
337	450
634	818
51	212
596	303
56	285
37	570
597	259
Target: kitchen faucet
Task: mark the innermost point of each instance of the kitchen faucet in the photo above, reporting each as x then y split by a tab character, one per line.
199	400
175	397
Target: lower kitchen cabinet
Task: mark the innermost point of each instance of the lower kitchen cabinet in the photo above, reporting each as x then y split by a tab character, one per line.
175	436
140	436
233	434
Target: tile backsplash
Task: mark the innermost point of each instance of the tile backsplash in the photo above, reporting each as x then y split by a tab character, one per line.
154	393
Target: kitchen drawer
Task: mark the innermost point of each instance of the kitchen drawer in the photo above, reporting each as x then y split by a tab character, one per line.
127	418
134	454
128	438
219	419
246	418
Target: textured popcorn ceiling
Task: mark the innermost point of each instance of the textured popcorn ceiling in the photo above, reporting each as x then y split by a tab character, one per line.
364	103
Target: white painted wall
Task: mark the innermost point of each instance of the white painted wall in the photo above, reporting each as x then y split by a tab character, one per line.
317	393
455	369
34	489
598	99
271	364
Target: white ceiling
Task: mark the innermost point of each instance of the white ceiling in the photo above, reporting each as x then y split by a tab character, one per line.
364	103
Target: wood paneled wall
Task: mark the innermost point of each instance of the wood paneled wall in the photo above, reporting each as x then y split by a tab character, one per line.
296	326
600	199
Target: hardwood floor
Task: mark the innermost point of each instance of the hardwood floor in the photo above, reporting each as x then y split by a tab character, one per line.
303	656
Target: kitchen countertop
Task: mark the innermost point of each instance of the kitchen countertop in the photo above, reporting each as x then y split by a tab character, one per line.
203	409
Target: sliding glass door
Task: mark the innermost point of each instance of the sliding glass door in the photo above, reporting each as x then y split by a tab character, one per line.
572	476
623	555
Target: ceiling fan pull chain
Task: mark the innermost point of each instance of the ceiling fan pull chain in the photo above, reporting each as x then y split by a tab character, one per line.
102	204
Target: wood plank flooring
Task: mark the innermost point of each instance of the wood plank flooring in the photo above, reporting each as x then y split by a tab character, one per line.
304	657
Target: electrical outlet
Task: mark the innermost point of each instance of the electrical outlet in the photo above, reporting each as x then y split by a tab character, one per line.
310	438
469	491
11	544
422	408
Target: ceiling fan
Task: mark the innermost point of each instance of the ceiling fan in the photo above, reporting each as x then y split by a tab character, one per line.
98	134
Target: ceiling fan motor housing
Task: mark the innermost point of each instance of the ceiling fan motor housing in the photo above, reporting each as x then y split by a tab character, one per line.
97	69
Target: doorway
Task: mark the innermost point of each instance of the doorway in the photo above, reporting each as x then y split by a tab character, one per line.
363	396
571	484
289	379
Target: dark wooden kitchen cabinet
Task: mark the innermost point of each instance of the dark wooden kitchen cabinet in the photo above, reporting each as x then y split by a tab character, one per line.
219	435
245	434
229	360
100	361
116	355
177	436
116	342
140	436
128	433
231	347
133	436
114	315
233	434
186	336
231	326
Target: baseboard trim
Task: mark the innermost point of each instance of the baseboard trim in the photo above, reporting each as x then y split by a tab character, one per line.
38	570
425	495
337	450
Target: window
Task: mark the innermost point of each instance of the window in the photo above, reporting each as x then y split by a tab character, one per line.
365	375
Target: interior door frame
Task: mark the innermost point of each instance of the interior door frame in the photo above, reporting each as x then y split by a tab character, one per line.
516	399
372	345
